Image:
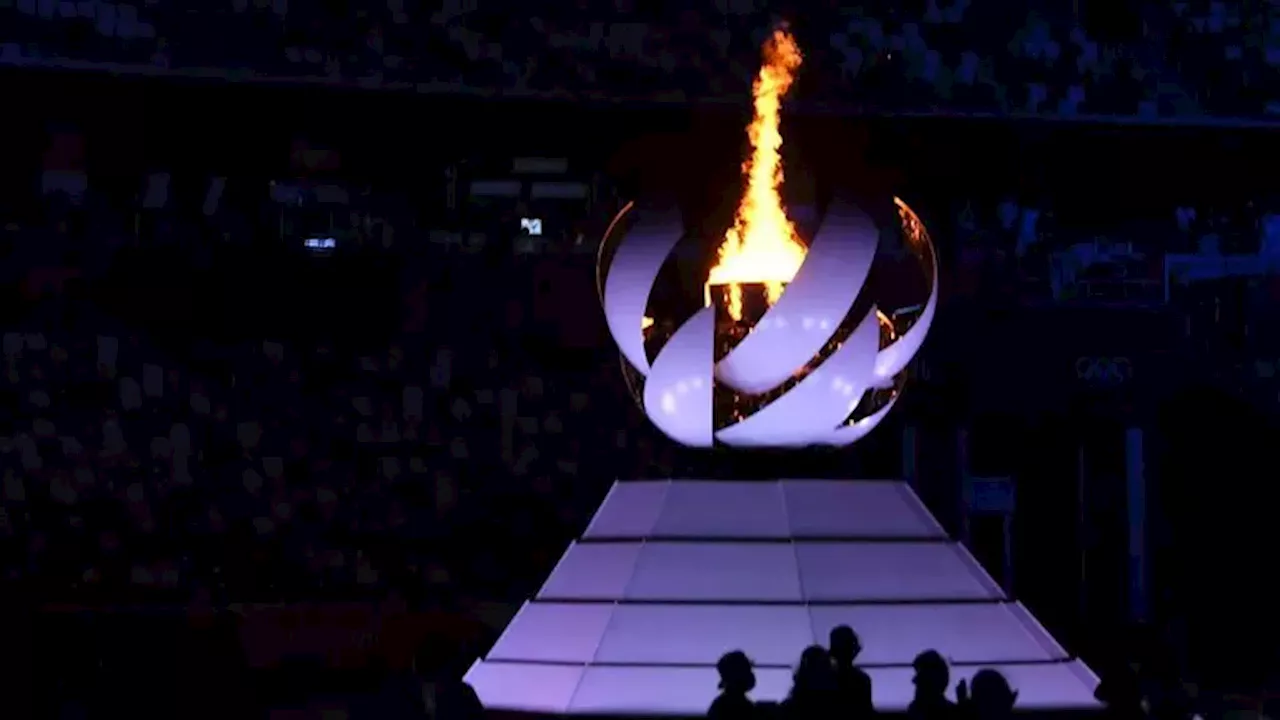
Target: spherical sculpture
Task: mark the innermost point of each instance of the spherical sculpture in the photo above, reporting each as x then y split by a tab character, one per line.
786	357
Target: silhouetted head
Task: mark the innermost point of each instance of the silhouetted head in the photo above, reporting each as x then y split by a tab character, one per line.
991	693
435	662
932	674
845	645
1119	688
426	661
735	671
815	669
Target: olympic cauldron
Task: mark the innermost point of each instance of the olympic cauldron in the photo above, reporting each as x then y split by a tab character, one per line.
820	363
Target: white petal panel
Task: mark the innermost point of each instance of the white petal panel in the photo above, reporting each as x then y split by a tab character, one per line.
688	691
850	434
641	624
632	274
811	308
816	405
677	394
894	359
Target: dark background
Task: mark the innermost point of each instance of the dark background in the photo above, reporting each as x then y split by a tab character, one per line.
1003	368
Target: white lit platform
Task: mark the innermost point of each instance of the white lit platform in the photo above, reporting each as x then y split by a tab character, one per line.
672	574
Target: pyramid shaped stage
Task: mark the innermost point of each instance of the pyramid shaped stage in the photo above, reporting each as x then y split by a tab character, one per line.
672	574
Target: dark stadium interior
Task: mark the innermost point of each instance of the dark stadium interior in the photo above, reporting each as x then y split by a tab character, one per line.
247	476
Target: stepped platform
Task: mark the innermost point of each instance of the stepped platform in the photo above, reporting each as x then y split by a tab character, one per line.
672	574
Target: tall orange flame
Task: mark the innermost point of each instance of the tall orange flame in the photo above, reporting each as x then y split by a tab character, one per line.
762	246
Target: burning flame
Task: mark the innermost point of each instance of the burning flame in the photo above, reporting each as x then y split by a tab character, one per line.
762	246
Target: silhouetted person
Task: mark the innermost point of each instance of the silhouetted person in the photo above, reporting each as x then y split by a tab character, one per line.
212	675
989	697
931	680
736	680
455	699
430	689
853	685
813	688
1159	682
402	696
1120	692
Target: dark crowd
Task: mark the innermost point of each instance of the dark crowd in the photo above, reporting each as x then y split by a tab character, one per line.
1148	60
296	439
326	406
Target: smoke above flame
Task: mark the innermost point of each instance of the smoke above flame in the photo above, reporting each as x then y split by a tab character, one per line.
762	245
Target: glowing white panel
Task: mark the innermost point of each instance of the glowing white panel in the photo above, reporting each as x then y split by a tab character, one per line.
684	691
551	632
699	509
529	687
592	571
677	394
961	632
849	434
674	509
632	274
811	308
1040	686
688	691
729	572
854	571
894	359
611	633
649	618
869	509
700	634
629	511
1049	686
818	403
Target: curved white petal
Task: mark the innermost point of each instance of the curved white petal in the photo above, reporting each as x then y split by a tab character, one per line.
850	434
810	411
810	310
632	274
894	358
677	394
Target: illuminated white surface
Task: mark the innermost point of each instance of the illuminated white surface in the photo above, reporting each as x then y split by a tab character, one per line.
895	358
818	403
632	274
792	508
811	308
688	691
636	614
677	393
850	434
